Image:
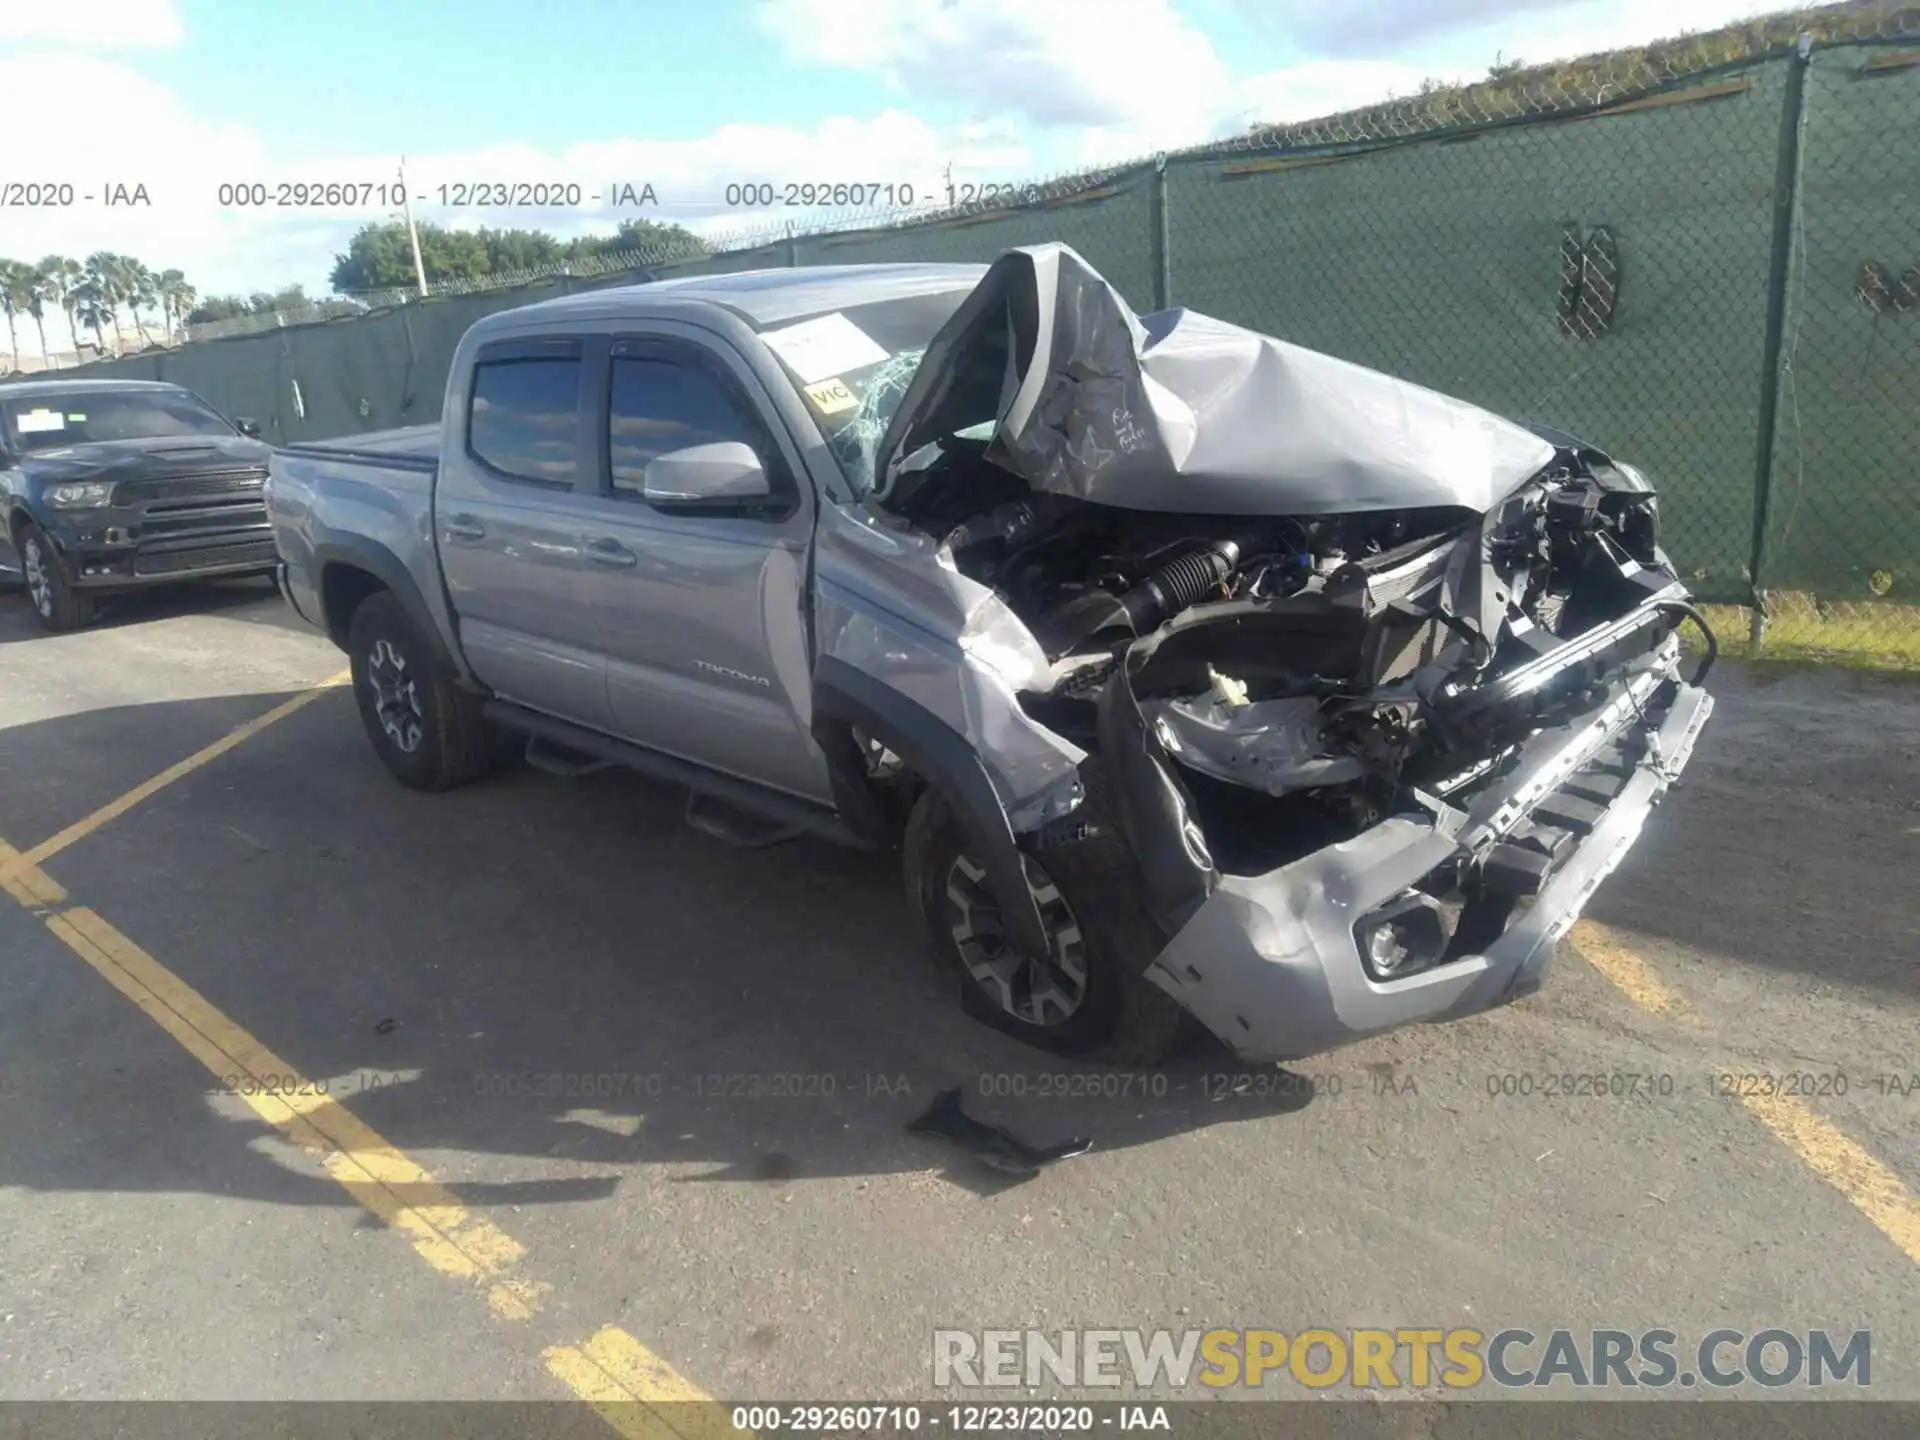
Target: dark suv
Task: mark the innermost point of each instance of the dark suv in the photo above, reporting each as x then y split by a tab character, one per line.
112	485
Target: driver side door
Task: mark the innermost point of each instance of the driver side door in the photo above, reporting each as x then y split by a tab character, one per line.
702	615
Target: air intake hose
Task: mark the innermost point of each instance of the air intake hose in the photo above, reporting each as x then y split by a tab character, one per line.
1163	594
1180	582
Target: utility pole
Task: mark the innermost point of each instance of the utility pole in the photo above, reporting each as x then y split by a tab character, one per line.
413	235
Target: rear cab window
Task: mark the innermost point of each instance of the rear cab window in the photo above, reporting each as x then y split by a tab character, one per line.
523	411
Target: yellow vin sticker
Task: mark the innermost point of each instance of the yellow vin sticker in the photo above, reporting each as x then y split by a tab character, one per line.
830	397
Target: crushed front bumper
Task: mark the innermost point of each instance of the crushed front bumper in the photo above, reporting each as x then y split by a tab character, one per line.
1271	963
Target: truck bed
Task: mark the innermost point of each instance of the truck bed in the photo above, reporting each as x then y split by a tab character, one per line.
411	447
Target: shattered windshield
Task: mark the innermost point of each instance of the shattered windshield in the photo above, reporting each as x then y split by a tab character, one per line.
853	366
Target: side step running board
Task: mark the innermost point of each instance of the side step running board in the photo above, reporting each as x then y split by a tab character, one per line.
545	755
739	828
560	747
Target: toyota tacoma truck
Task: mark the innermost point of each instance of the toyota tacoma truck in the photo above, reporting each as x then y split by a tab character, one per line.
1194	674
115	485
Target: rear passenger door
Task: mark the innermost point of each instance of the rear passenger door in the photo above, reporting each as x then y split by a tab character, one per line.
703	617
508	513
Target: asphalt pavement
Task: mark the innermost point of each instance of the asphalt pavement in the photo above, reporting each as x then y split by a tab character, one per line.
606	1098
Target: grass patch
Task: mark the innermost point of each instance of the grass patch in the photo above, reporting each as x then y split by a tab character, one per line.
1866	635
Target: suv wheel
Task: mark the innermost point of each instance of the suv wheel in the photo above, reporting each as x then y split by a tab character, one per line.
59	606
426	729
1090	994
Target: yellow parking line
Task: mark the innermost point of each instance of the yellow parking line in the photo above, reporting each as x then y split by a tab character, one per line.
1816	1142
623	1380
374	1172
1630	974
1873	1189
612	1371
114	809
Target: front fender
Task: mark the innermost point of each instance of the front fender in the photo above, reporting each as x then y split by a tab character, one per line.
943	758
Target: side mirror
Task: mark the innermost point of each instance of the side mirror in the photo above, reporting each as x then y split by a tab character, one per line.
721	475
248	428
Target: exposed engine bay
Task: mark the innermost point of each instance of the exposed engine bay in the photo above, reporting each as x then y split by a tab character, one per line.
1374	686
1308	675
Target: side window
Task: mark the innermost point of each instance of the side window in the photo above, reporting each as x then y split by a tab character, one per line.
524	420
659	405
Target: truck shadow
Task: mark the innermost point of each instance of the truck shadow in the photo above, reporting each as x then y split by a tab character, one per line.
555	980
254	600
1788	842
559	973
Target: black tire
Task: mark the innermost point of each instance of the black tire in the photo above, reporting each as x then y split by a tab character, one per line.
437	741
1123	1018
58	605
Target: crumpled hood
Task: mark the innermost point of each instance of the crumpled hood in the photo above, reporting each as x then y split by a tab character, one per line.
1181	412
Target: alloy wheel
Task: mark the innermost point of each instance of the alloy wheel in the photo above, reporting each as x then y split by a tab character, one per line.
39	582
396	696
1045	992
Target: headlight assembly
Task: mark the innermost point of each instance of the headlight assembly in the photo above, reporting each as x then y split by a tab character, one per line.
1635	474
81	495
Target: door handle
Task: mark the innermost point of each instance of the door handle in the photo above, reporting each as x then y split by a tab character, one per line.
465	527
611	552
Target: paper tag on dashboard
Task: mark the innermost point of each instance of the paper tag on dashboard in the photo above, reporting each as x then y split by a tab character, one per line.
35	422
829	345
830	397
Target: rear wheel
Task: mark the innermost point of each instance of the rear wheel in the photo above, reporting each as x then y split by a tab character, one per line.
1089	995
426	729
59	606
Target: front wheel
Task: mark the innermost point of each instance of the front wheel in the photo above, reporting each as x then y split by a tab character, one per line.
426	729
59	606
1089	995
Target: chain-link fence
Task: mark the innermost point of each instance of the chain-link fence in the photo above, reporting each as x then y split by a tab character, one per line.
1708	267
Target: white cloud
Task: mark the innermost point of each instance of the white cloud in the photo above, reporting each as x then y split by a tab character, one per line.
182	159
93	24
1541	30
1327	87
1340	28
1105	65
1098	81
1019	86
1599	25
176	156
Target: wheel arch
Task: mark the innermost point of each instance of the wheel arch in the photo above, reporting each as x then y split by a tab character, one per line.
844	699
349	569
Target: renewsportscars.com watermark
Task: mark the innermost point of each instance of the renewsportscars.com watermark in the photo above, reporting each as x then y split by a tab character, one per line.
1366	1359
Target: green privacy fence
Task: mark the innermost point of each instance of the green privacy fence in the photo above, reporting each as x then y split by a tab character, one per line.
1715	276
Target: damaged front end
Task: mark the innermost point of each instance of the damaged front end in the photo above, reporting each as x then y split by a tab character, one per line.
1377	686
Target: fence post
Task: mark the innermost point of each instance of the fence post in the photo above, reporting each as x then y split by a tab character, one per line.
793	247
1786	200
1162	254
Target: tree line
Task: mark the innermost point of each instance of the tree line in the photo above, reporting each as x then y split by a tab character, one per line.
91	293
95	293
380	257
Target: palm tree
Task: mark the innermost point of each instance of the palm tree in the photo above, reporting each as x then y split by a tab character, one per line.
91	307
107	288
58	276
176	299
143	289
16	292
37	307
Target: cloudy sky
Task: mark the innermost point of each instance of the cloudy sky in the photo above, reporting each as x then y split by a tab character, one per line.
182	96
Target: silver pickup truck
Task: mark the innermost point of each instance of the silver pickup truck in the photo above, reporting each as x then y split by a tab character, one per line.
1195	674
